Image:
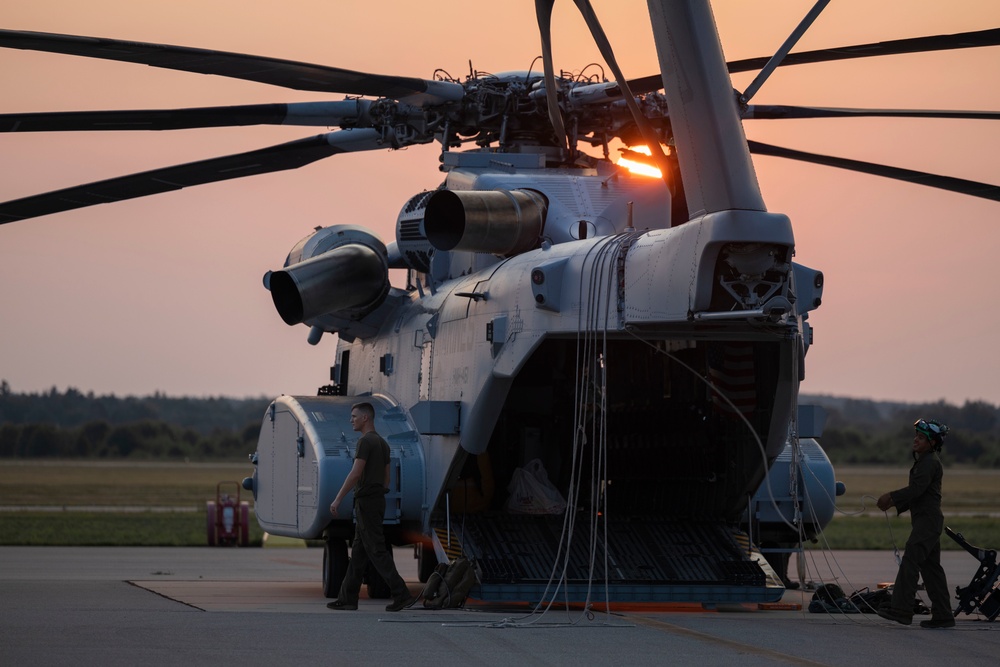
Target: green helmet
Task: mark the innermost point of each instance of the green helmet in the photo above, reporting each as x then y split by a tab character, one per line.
934	430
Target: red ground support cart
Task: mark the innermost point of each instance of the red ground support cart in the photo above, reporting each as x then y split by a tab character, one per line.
227	519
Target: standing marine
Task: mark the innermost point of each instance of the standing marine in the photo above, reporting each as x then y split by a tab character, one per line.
922	497
369	477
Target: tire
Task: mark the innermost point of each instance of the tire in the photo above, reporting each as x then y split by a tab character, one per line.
335	563
426	562
211	517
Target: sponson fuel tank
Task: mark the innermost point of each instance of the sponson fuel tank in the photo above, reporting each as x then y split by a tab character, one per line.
305	451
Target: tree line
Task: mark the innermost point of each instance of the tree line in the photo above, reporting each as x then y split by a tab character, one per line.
137	440
876	432
73	408
71	424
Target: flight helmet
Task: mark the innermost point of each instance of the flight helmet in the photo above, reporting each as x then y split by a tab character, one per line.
934	430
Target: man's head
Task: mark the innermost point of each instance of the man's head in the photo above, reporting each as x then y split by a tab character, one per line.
362	417
928	434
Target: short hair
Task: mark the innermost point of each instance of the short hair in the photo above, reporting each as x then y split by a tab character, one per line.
365	408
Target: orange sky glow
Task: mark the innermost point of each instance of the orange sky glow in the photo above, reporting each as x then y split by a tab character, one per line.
165	294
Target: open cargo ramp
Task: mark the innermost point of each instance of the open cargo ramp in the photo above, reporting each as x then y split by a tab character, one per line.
648	560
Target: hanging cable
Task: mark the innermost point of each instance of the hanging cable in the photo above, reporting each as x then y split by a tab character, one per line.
589	430
799	529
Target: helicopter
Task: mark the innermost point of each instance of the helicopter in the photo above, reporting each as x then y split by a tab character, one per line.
484	297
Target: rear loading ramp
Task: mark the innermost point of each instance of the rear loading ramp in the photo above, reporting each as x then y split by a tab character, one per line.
648	560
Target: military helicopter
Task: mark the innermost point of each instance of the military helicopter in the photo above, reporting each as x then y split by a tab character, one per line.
554	306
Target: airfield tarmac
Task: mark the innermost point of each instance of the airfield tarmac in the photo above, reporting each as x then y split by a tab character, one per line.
199	606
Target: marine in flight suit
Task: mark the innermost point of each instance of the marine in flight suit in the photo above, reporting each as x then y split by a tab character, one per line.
922	556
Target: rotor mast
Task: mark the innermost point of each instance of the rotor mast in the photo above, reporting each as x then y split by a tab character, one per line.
715	163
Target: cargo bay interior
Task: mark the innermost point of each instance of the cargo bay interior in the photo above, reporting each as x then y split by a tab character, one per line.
659	453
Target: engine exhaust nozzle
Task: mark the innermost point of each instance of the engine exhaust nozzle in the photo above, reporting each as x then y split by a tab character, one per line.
345	278
501	222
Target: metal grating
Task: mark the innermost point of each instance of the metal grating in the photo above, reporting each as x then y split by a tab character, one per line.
523	548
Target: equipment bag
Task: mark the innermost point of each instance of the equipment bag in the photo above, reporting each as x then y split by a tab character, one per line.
830	598
868	601
449	584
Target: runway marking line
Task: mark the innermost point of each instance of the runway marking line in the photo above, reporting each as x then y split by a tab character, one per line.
711	639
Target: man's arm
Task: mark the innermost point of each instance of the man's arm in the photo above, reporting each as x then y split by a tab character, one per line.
386	476
352	478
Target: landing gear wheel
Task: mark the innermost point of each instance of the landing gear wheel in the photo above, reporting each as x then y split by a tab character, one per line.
335	563
426	562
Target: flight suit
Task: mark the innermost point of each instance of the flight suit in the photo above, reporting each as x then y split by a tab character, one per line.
922	497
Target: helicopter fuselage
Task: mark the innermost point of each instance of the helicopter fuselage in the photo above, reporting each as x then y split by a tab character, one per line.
615	317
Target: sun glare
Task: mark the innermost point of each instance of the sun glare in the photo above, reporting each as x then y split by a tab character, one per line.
640	168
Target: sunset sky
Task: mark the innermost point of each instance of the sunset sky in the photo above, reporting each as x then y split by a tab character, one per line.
165	293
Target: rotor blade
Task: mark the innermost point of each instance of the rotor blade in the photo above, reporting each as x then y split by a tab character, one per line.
273	71
646	84
543	15
289	155
963	40
960	185
777	111
649	134
322	114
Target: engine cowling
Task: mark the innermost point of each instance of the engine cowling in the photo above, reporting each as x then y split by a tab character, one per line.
500	222
415	250
340	270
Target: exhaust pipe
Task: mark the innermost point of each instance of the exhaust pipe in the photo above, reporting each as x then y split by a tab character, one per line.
351	276
501	222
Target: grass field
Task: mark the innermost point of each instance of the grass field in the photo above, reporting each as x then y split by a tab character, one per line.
971	502
153	504
113	503
116	483
965	490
